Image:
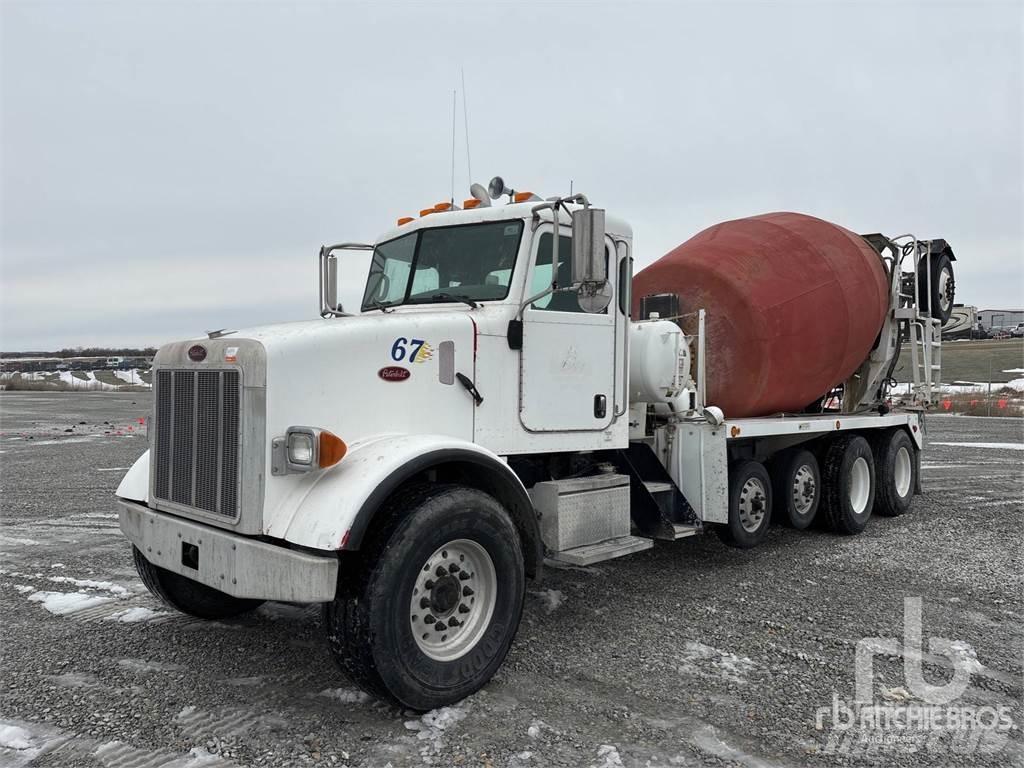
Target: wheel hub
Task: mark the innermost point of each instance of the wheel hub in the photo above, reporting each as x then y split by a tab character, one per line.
453	599
752	504
804	489
444	597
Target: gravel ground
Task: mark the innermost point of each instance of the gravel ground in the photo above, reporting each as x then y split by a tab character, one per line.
689	654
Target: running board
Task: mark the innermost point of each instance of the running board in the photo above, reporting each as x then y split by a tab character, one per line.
589	554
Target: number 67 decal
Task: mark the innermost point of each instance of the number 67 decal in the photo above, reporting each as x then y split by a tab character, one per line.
408	347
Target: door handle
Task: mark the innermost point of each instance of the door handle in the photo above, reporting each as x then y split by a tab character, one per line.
467	382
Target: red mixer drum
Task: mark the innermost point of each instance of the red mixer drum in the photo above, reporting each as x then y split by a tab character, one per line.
794	305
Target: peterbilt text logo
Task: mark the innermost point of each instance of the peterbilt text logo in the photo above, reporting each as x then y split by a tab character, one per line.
394	373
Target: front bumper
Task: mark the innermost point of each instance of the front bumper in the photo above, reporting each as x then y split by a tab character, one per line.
237	565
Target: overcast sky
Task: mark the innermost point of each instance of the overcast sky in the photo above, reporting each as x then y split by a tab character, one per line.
173	168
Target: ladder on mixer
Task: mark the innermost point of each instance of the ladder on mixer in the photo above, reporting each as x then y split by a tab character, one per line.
924	331
925	356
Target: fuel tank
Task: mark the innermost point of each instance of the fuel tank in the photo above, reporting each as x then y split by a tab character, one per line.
793	305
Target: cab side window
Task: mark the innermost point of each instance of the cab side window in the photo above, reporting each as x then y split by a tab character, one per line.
560	301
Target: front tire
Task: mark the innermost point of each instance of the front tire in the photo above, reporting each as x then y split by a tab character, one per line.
896	472
848	474
188	596
437	600
750	505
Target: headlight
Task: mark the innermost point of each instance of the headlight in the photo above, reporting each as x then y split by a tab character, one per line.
301	448
305	448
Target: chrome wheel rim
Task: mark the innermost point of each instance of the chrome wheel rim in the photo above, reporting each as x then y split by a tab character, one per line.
902	471
860	485
753	504
453	600
803	490
945	290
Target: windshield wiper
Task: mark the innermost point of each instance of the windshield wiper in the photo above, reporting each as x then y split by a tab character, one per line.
378	304
439	297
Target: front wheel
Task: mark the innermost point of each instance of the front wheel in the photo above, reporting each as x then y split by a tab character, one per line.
437	601
188	596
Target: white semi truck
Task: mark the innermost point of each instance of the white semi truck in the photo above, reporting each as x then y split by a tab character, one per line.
410	465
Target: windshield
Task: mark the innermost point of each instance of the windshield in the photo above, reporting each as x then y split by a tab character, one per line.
470	262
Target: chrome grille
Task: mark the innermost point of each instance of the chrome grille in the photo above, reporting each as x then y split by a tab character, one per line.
197	433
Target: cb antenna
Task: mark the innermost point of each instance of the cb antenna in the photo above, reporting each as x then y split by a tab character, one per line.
465	122
452	199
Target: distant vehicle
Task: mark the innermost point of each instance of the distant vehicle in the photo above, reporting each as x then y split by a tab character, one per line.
114	362
1018	331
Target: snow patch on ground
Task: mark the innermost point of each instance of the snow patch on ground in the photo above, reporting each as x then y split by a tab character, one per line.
21	742
24	588
63	603
430	727
345	695
107	586
143	666
134	615
607	757
15	737
996	446
966	656
14	540
552	598
701	659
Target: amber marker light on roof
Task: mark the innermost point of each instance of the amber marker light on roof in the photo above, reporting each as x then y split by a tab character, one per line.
404	220
522	197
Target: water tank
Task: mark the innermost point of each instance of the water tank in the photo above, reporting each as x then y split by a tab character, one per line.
659	362
794	305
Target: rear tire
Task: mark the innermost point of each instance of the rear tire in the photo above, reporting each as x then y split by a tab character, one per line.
896	472
848	475
796	488
188	596
436	601
750	505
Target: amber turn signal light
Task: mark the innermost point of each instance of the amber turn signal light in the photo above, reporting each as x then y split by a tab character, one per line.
332	449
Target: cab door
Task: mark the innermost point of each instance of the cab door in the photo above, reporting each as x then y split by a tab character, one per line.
567	364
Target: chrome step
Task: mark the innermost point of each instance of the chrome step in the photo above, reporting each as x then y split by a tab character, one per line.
656	487
682	531
589	554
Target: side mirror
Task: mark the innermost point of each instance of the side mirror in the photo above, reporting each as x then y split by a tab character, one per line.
332	282
588	259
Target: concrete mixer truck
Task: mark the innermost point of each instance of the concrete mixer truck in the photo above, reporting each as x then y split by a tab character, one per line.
507	394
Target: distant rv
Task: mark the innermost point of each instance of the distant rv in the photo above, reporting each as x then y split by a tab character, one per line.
115	362
964	323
